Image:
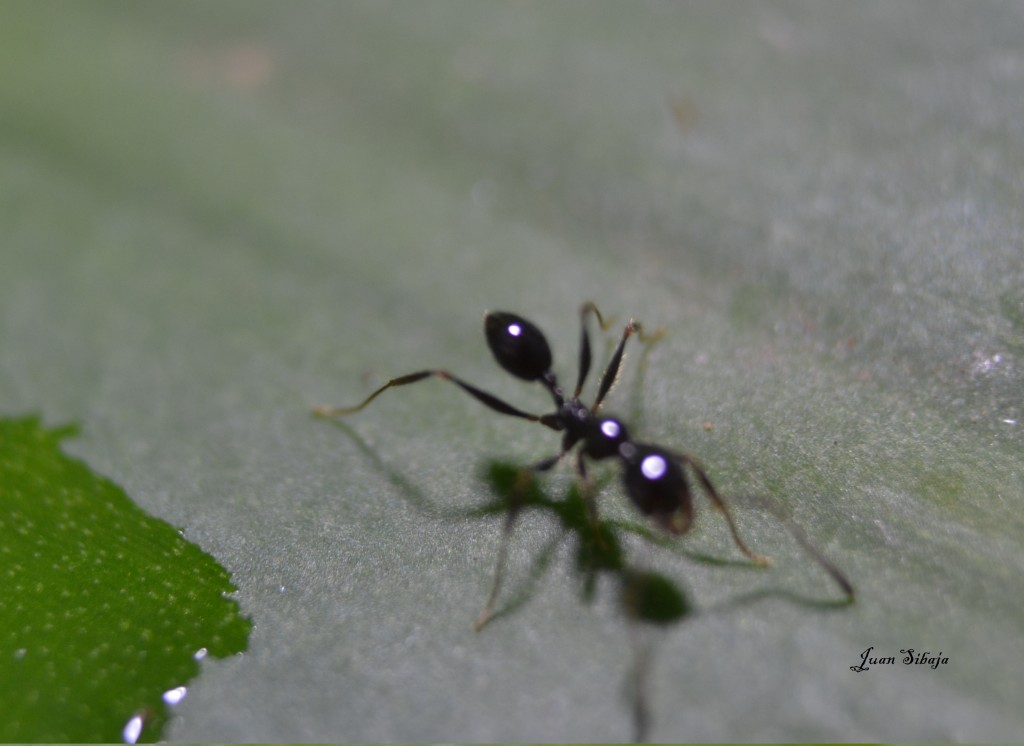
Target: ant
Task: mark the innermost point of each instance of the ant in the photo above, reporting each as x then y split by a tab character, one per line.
654	477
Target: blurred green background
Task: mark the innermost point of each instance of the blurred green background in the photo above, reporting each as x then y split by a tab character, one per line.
214	216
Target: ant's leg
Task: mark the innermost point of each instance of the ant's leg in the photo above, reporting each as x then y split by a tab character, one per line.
589	497
328	411
585	357
506	536
719	503
482	396
612	371
837	575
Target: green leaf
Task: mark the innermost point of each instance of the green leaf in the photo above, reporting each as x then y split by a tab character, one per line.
216	217
105	611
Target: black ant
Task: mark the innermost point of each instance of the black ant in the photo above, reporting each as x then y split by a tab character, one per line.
654	477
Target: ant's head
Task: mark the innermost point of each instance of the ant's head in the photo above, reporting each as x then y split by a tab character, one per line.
518	346
606	438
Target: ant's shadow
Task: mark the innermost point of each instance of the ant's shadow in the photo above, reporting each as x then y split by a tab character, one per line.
597	548
651	602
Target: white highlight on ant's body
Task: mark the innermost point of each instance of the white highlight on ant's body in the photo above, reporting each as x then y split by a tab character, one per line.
611	428
653	467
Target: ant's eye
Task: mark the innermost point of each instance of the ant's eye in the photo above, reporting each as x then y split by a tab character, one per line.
518	346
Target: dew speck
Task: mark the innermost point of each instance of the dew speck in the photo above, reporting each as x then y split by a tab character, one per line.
132	729
175	695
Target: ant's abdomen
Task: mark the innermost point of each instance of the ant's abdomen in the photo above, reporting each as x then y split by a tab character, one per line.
656	484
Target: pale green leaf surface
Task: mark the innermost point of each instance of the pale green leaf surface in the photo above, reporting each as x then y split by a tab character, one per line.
215	216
